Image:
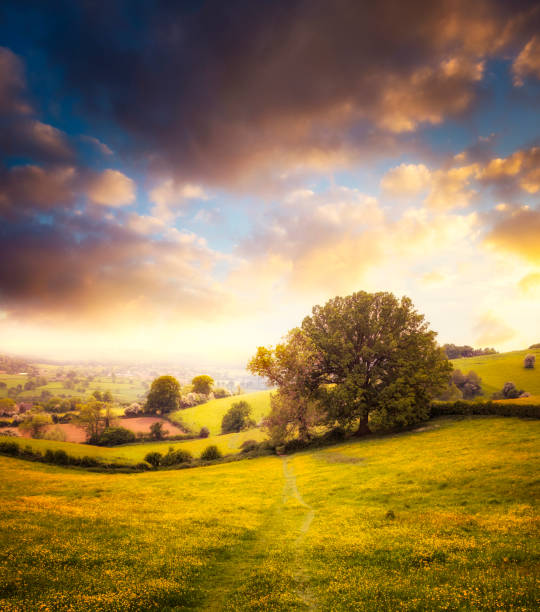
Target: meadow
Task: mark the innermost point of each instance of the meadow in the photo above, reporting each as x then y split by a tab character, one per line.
495	370
441	518
211	413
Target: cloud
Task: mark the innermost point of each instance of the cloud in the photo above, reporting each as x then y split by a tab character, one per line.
406	180
169	197
489	330
32	188
12	85
95	271
530	284
285	87
144	224
527	63
517	231
100	146
450	188
111	188
22	134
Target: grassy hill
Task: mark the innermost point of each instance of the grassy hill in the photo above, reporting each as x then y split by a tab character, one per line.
210	414
444	518
495	370
135	453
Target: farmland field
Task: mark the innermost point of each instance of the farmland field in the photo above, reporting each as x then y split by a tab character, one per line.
210	414
495	370
442	518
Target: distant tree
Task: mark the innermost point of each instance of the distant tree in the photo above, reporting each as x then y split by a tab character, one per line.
107	397
7	406
202	384
164	395
211	453
97	395
221	392
91	418
133	410
470	385
153	458
535	346
35	423
3	385
237	418
510	391
528	362
204	433
157	432
456	352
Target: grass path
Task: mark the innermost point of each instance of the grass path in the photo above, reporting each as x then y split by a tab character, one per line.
273	555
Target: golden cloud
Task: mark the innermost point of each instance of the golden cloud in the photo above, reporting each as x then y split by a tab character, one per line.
406	180
518	232
111	188
527	62
490	330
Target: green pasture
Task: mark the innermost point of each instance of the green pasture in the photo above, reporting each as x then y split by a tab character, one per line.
495	370
441	518
135	453
210	414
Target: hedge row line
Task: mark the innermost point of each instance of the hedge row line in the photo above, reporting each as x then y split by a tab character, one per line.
485	408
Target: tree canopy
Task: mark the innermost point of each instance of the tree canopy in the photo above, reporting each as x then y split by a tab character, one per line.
365	361
202	384
237	418
164	395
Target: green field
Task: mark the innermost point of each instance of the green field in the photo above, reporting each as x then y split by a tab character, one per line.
210	414
443	518
495	370
135	453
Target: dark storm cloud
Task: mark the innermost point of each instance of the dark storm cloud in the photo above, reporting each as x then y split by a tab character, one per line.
218	90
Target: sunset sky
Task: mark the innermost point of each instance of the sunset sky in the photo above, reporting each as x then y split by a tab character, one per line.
186	180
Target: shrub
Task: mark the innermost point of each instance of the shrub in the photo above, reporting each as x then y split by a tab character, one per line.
485	408
237	418
9	448
157	432
510	391
113	436
175	457
60	457
249	445
528	362
221	392
211	453
204	433
153	458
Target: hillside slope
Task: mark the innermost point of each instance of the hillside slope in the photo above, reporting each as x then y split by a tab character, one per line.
495	370
441	518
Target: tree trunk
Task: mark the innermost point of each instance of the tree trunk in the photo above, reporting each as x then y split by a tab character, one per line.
363	427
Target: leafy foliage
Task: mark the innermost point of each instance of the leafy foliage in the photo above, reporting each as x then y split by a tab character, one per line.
529	361
365	361
164	395
237	418
113	436
470	384
211	453
202	384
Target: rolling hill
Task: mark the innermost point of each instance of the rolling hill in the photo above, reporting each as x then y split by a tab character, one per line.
442	518
495	370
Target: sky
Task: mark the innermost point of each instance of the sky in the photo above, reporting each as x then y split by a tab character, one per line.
186	180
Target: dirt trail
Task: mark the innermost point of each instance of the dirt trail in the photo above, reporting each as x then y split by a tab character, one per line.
279	534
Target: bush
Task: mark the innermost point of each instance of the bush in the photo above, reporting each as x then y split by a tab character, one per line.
485	408
113	436
237	418
211	453
9	448
153	458
204	433
175	457
249	445
60	457
528	362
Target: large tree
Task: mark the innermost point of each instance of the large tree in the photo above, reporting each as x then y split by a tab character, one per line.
164	395
369	361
